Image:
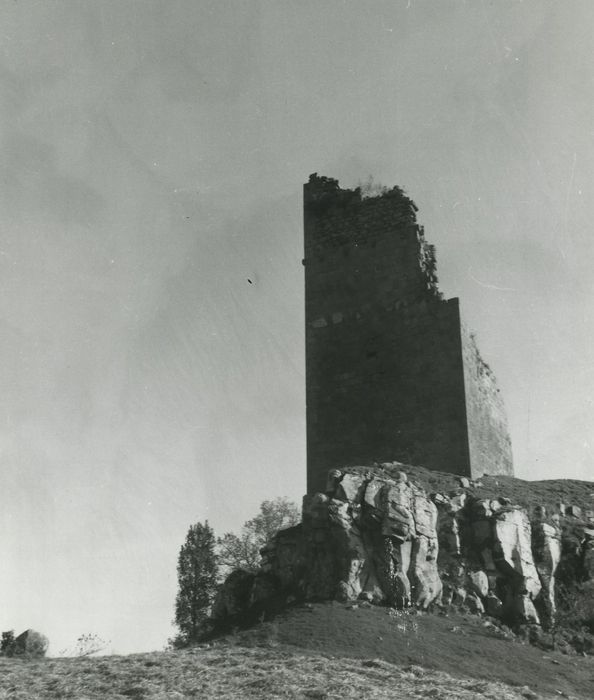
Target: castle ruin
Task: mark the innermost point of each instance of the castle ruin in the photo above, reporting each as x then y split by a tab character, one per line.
392	373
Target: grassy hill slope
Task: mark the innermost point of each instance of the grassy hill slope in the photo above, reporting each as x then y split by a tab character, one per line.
320	651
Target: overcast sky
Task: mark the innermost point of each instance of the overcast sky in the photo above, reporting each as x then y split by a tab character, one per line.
153	154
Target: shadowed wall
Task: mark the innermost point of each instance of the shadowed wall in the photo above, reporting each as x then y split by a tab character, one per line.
390	372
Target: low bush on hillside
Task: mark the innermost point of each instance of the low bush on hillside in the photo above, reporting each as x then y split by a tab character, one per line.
28	645
576	606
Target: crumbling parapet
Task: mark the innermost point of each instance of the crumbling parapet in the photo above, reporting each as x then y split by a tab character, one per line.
391	372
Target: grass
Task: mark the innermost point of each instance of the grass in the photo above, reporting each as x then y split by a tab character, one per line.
320	651
236	672
528	494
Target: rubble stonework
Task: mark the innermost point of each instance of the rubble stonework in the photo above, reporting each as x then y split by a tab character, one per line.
391	370
379	537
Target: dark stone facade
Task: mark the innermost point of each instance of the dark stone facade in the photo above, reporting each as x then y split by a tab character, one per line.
391	372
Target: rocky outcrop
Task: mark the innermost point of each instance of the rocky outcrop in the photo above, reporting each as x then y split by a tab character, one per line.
588	552
376	535
546	549
367	537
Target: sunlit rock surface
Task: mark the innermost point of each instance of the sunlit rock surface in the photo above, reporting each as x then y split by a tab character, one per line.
376	535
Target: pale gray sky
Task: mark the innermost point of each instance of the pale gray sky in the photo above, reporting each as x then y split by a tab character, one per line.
153	154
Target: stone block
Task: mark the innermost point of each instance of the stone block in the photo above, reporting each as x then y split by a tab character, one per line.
350	488
512	549
457	501
474	604
493	606
478	582
426	583
372	497
424	515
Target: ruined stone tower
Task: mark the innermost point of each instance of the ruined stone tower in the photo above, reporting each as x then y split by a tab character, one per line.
392	373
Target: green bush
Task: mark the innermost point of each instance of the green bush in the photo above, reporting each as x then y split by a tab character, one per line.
30	644
7	645
576	606
35	646
197	581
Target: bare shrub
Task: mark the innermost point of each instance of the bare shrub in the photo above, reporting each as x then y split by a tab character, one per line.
86	645
370	188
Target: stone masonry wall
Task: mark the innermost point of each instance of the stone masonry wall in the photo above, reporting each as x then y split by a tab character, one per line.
488	437
387	386
384	352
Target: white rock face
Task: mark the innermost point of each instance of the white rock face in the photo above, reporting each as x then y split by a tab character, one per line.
350	487
424	575
479	583
368	537
512	548
383	539
546	547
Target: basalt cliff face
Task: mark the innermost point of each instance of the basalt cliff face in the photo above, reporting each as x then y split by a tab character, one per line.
378	534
